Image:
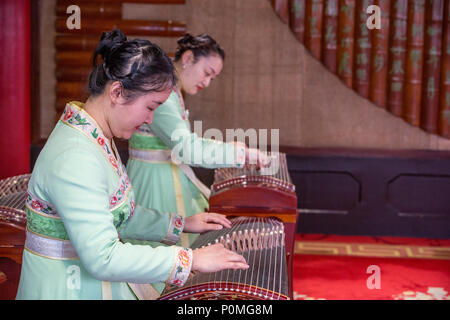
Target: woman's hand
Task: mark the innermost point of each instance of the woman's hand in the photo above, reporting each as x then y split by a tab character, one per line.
255	156
215	258
205	221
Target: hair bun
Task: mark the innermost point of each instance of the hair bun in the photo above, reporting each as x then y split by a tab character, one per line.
186	42
201	45
109	41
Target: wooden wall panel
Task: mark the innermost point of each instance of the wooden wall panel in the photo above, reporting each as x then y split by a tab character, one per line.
383	193
397	66
74	47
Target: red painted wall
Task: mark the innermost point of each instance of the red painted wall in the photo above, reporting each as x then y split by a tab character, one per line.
14	87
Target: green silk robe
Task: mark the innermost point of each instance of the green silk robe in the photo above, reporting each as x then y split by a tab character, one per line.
80	206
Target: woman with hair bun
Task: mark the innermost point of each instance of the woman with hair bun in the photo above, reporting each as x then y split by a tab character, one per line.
161	153
80	205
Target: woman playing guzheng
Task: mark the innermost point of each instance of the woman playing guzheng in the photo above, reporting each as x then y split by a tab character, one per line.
198	61
80	202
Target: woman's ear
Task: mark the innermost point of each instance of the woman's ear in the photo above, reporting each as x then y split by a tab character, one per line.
116	93
187	58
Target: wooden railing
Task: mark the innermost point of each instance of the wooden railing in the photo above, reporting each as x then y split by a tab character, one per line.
403	67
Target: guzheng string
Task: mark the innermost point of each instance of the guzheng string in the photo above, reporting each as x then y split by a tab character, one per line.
232	243
260	241
246	256
271	246
15	200
246	245
222	236
276	175
252	246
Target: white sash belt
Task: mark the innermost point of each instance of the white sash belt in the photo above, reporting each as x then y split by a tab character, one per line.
50	248
164	156
158	155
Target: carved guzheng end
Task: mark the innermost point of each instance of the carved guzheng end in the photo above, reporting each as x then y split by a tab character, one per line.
13	193
262	205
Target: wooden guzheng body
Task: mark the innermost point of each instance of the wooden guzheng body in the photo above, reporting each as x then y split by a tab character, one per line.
262	206
13	193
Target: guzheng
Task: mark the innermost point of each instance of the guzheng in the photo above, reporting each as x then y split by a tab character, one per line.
262	206
13	193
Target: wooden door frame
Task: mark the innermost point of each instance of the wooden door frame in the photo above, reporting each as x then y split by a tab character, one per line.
35	103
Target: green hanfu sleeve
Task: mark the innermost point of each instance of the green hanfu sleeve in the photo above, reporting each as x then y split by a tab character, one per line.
152	225
187	146
77	185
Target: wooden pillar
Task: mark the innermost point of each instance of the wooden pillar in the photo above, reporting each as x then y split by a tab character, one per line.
14	87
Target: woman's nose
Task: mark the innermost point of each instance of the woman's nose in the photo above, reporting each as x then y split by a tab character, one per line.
206	82
149	119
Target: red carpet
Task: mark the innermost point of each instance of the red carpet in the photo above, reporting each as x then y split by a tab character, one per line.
371	268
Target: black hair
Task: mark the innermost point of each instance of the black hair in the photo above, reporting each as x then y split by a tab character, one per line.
201	46
139	65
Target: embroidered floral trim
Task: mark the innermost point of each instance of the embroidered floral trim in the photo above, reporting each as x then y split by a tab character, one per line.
176	227
184	111
119	194
133	205
123	214
40	206
182	268
79	119
123	193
